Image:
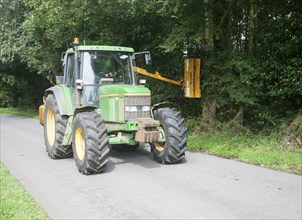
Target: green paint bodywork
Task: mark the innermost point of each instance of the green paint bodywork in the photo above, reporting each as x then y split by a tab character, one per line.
68	91
128	126
112	109
162	137
68	132
102	48
122	89
123	138
63	98
112	100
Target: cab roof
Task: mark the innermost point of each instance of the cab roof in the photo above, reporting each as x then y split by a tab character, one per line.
102	48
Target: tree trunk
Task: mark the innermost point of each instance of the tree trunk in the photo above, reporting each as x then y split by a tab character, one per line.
209	115
226	34
251	27
236	123
209	41
209	106
238	119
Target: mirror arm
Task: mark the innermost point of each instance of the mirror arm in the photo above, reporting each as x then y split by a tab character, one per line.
147	56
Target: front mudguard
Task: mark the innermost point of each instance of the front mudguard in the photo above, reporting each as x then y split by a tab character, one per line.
160	105
58	93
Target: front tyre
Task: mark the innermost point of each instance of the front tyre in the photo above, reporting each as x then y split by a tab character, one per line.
173	149
54	129
90	143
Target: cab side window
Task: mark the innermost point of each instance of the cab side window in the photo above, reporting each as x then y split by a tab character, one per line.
69	78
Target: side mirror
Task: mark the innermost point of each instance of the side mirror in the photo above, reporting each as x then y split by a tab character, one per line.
142	82
62	56
79	84
59	79
147	54
148	59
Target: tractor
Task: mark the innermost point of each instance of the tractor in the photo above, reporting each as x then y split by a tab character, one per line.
100	104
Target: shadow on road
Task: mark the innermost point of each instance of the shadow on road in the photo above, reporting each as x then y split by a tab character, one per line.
141	157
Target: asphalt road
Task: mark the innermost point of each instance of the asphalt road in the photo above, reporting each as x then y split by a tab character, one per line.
136	187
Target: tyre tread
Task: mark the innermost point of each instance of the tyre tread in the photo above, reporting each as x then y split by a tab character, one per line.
57	151
97	144
176	136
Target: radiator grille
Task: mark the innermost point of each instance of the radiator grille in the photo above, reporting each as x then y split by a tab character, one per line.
137	101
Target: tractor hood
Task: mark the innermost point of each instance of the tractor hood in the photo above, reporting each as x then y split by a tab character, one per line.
123	90
124	103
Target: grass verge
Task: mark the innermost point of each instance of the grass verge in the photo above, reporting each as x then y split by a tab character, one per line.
15	202
258	150
17	111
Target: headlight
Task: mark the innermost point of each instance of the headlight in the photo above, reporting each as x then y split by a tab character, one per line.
145	108
133	108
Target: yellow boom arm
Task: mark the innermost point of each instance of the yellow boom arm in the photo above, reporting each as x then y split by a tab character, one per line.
156	75
191	81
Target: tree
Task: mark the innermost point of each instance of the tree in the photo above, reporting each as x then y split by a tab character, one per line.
250	50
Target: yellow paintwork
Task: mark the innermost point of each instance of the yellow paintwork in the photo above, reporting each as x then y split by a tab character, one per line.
51	126
41	114
159	146
123	95
156	75
191	81
192	78
80	144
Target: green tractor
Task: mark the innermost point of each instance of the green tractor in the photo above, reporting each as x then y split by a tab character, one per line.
99	105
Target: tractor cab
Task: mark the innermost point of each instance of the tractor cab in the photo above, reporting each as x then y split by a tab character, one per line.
92	67
102	68
107	67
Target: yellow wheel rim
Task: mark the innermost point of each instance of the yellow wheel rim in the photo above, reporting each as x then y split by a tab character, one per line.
160	146
80	143
51	126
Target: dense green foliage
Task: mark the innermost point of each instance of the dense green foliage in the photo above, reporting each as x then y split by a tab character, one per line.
15	202
250	50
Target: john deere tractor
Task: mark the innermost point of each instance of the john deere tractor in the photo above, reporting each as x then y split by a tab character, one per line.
99	105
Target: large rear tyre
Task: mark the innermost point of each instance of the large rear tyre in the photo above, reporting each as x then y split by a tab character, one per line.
54	129
173	149
90	143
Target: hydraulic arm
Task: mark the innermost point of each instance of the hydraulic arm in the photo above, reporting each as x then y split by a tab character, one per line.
191	81
157	75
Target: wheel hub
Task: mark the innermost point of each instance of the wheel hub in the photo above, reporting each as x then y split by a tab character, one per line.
160	146
80	143
51	126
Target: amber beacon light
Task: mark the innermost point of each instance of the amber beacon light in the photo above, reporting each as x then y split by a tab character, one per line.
76	40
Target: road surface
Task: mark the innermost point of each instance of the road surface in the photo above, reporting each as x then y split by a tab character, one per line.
136	187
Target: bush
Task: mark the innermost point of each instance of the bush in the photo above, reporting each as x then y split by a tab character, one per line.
294	133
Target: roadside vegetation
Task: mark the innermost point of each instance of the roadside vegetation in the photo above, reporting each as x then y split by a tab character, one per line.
19	111
266	150
15	201
262	151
